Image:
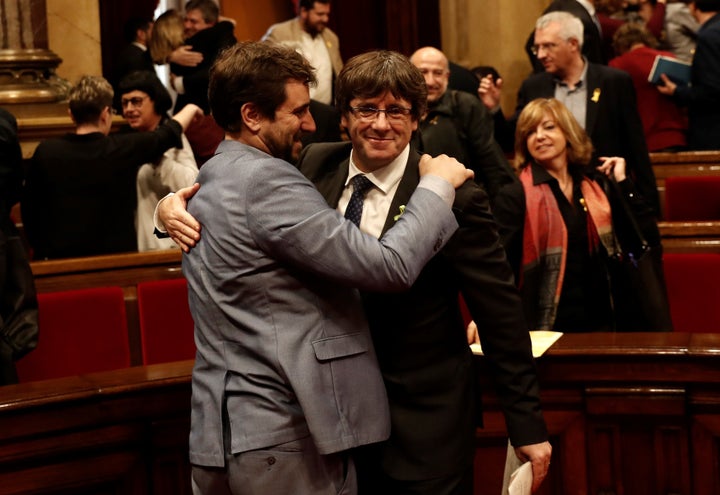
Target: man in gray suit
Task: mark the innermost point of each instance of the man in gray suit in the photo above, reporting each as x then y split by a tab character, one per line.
419	334
286	378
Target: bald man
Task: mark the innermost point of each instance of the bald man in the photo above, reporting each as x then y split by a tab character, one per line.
458	125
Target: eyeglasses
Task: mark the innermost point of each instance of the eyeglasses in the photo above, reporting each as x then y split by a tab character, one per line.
394	113
548	47
136	101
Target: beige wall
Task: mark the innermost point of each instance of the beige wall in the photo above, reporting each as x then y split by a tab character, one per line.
474	32
74	35
491	32
253	17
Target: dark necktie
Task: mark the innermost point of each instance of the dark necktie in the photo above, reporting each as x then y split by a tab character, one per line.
361	185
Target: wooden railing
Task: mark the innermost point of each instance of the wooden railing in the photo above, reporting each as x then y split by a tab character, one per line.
690	237
627	413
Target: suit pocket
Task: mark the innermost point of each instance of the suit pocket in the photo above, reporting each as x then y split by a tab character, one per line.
341	346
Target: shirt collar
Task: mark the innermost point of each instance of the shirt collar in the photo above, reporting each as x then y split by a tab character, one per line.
384	178
579	82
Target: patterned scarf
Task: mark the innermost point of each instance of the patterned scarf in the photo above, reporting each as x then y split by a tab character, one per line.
545	241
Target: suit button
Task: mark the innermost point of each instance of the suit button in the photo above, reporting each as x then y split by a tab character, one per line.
438	244
271	461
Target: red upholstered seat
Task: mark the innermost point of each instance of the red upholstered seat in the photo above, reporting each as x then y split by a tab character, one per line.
693	291
81	331
692	198
166	326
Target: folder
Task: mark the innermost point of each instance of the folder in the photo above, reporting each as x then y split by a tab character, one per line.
676	70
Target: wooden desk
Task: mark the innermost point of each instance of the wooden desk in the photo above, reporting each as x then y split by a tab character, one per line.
634	414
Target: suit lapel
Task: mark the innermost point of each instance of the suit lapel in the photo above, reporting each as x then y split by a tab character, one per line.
331	185
405	189
594	94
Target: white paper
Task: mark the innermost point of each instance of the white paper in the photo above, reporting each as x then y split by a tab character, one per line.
541	342
521	480
517	478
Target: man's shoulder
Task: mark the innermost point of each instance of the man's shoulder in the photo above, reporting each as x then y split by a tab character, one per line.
317	155
572	6
608	74
329	35
281	31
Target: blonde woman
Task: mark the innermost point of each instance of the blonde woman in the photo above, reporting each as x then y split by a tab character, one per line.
557	224
168	35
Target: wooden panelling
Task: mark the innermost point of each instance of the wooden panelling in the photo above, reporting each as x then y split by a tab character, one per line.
627	414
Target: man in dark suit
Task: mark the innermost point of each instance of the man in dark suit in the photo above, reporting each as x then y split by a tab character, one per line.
702	96
135	55
592	46
601	98
419	335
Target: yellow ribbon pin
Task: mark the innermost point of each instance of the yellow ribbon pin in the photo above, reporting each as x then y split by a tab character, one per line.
596	95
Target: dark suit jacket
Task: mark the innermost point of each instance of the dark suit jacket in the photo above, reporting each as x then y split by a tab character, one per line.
420	337
592	40
132	58
210	42
612	121
327	124
11	172
703	96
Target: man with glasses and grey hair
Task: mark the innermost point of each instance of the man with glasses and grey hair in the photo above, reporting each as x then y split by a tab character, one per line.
601	98
592	44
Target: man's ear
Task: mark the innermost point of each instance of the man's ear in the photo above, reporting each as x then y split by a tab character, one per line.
574	42
251	117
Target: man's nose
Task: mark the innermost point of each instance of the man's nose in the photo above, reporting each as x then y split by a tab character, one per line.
381	121
308	123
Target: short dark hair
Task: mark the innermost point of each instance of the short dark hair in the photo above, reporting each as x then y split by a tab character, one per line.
707	5
208	8
310	4
147	82
373	73
132	26
254	72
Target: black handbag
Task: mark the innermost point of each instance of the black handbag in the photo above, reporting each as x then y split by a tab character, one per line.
637	278
18	305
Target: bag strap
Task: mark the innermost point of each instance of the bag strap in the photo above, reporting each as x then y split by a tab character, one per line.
616	197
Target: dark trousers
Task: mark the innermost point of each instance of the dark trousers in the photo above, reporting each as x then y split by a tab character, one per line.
372	480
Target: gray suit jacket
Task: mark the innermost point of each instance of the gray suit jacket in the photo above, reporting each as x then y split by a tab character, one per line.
283	344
